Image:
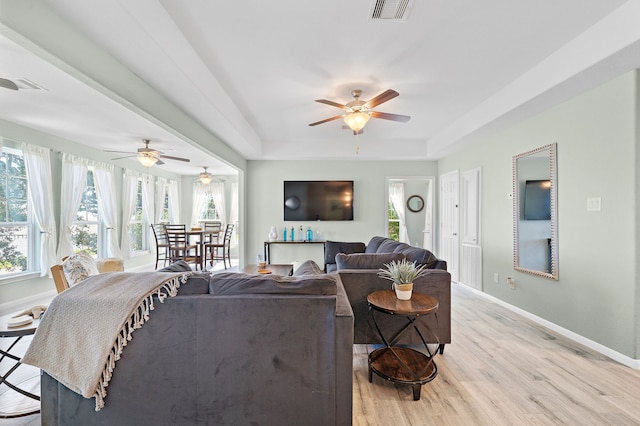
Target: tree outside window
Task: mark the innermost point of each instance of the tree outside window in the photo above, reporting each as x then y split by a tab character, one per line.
84	232
14	217
394	223
136	223
209	212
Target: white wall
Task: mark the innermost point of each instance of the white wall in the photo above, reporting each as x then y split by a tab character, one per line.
597	157
265	201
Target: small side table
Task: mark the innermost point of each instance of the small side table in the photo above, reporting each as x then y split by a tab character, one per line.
29	403
402	364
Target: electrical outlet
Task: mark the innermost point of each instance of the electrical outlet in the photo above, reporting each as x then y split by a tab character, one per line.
496	278
511	282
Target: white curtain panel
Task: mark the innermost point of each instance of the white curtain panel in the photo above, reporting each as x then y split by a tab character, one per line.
74	180
217	193
174	202
105	182
38	164
129	192
199	201
148	203
396	193
161	190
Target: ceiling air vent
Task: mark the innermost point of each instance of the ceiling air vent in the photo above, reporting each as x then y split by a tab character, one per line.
390	10
26	84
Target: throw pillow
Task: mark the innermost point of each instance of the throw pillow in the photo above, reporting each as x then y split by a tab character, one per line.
365	260
78	267
308	267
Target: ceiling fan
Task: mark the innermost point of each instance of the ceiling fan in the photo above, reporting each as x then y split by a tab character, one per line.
148	156
357	112
8	84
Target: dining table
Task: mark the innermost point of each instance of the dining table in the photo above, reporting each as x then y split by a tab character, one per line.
203	237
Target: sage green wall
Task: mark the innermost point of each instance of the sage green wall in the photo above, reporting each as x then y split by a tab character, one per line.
265	201
597	157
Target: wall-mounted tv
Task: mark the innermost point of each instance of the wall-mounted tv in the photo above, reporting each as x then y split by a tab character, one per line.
318	200
537	200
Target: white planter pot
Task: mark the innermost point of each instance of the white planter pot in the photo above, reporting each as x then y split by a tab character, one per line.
403	291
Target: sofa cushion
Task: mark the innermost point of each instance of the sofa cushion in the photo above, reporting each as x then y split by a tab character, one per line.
374	243
232	283
331	248
365	260
78	267
420	256
308	267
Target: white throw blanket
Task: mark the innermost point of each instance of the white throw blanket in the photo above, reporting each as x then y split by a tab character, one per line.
85	328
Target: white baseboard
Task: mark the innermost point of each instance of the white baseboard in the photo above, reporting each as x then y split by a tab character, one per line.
604	350
27	302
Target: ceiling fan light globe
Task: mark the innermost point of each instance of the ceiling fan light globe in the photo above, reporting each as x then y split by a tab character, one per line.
356	120
206	178
147	161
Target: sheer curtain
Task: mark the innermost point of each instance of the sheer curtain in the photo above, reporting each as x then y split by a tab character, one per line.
174	202
199	201
129	193
217	193
38	164
74	180
396	193
104	179
148	203
161	190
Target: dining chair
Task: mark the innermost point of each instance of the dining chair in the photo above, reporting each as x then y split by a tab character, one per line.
212	231
179	246
162	243
221	250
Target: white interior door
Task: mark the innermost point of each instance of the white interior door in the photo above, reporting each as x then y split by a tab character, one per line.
449	219
471	261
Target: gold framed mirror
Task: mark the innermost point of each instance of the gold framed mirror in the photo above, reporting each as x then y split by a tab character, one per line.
535	223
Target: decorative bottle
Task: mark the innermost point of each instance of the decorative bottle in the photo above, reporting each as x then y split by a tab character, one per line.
309	234
301	235
284	234
293	234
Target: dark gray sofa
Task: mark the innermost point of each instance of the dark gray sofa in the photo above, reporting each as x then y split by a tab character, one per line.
357	266
230	349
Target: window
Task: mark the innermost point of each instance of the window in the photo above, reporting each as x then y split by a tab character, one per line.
209	212
137	223
84	232
16	231
165	208
394	223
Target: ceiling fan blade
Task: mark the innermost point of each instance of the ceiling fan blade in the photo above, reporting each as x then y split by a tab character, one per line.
8	84
392	117
326	120
186	160
120	158
381	98
335	104
159	162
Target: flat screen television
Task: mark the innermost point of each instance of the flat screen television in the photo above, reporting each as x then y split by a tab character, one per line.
537	200
318	200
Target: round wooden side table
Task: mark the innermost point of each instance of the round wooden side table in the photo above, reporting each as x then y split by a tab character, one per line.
403	364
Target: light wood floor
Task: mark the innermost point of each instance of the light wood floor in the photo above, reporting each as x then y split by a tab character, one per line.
501	369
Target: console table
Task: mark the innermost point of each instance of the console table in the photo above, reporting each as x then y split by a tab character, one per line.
267	246
402	364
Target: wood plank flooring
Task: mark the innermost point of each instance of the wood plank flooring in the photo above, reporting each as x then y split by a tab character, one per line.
501	369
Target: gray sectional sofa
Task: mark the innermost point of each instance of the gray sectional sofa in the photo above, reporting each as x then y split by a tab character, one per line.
229	349
358	264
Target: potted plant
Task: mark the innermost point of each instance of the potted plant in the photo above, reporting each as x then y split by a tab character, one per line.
402	273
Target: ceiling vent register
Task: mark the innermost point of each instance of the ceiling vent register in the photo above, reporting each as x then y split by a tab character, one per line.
390	10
